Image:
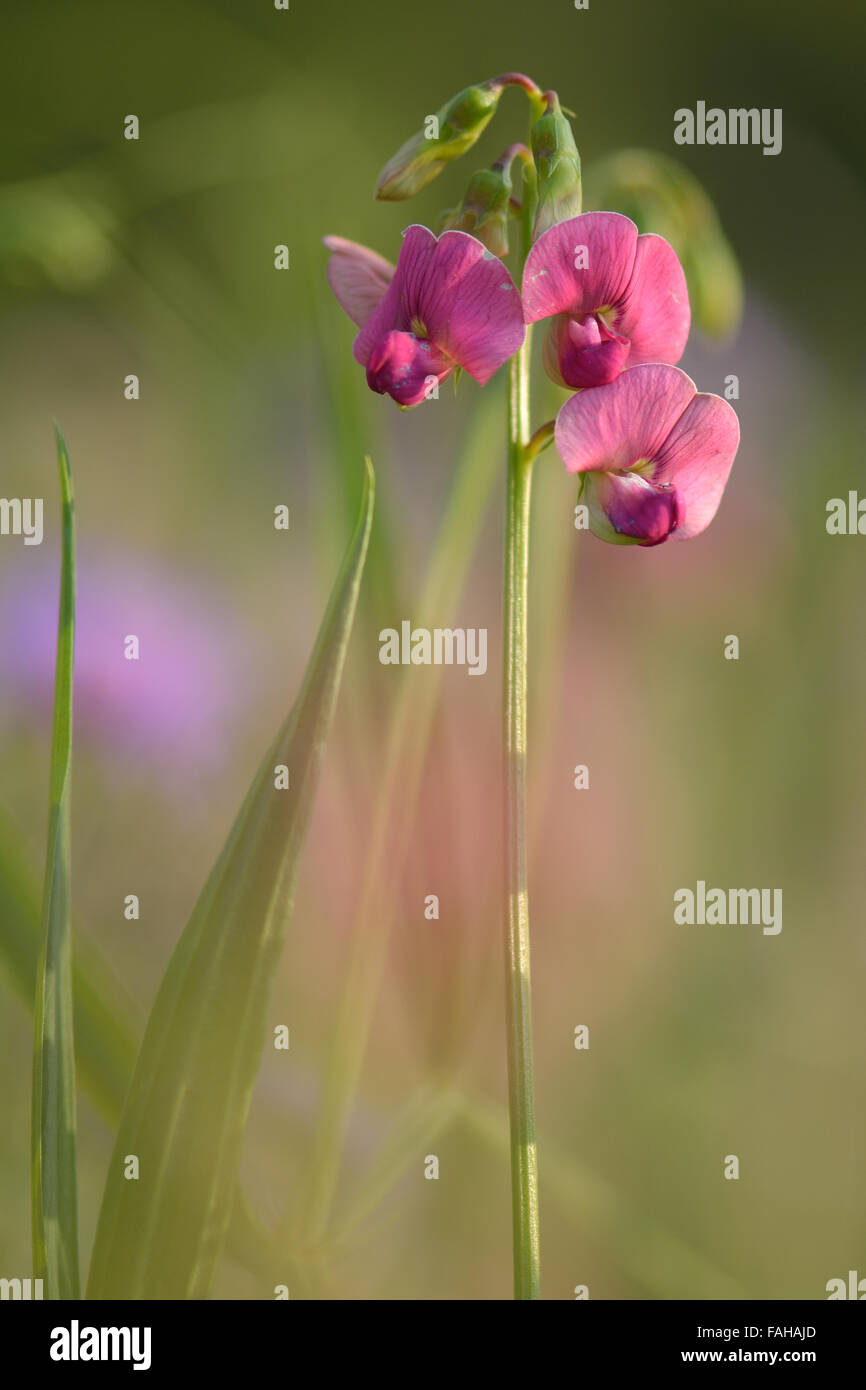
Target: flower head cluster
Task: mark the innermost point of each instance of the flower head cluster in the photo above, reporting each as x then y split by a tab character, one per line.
653	453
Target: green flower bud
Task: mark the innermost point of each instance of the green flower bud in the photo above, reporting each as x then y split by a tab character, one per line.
558	165
660	195
485	209
444	137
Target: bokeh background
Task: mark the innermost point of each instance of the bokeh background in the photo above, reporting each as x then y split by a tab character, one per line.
261	127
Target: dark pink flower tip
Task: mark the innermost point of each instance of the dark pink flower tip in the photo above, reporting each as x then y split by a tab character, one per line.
583	352
655	453
455	300
632	510
359	277
405	367
594	270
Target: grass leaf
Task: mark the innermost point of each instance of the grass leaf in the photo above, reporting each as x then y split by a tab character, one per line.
54	1183
161	1233
104	1016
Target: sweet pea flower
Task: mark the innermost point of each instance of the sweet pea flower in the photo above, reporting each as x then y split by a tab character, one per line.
449	303
653	452
616	298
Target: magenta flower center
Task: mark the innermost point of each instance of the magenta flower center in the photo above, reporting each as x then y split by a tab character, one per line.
405	367
647	511
592	353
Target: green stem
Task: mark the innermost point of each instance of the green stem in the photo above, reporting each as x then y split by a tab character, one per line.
521	1088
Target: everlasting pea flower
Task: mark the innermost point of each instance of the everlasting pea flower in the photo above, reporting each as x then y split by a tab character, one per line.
654	454
616	298
449	303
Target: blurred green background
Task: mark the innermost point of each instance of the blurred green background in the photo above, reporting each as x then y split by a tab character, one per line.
155	257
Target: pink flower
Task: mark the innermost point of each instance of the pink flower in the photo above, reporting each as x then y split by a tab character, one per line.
654	453
616	298
448	304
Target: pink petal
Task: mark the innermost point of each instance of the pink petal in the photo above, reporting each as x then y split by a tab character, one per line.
395	311
629	420
358	277
630	509
451	291
554	343
654	312
697	457
553	285
471	305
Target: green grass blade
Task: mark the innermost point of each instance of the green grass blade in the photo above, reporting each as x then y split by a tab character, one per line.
53	1169
160	1235
104	1016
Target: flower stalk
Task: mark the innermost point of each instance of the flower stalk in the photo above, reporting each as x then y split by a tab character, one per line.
518	994
521	1085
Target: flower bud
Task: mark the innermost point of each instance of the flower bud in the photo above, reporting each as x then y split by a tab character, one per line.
558	166
662	196
444	137
484	211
